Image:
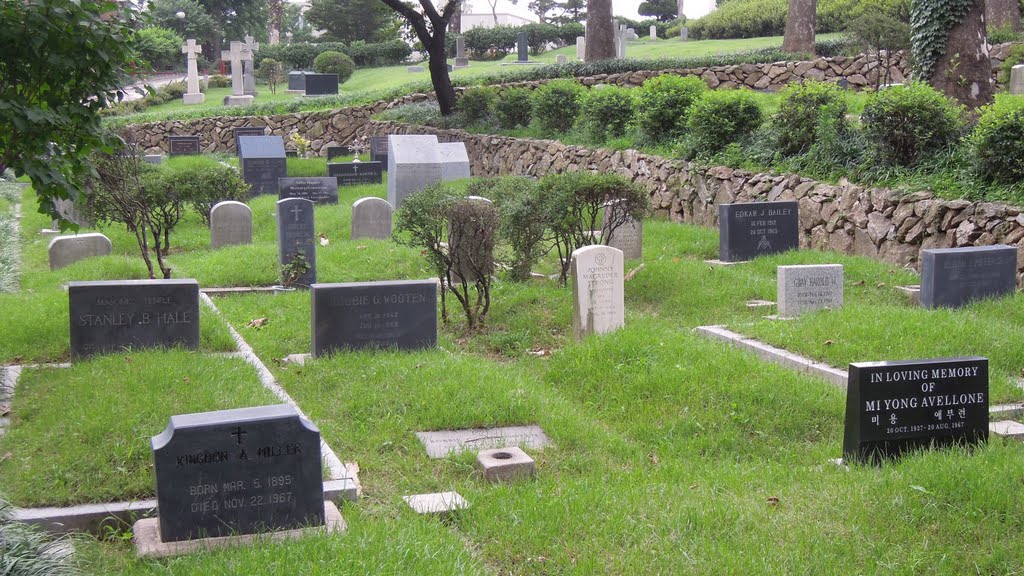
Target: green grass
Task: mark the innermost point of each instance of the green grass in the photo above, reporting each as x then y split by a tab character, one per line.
671	453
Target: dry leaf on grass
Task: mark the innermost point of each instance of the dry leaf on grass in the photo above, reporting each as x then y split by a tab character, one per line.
257	323
773	500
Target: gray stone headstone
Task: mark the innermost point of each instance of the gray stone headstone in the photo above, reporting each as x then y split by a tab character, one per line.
371	218
560	59
654	32
193	95
245	131
413	164
523	46
263	162
230	224
153	158
581	47
296	233
356	173
893	407
460	46
598	293
395	314
806	288
454	161
1017	79
461	62
109	316
954	277
414	69
183	146
627	237
239	471
379	150
748	230
248	80
319	190
66	250
684	33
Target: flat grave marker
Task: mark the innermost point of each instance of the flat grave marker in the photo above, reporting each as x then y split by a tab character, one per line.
109	316
953	277
398	314
748	230
239	471
263	162
356	173
443	443
805	288
893	407
183	146
598	295
296	238
319	190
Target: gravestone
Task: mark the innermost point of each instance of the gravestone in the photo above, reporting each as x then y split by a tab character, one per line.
522	47
684	33
193	95
356	173
68	210
454	161
239	471
1017	79
296	236
414	163
108	316
238	96
892	407
414	69
153	158
321	84
249	48
581	48
461	61
598	295
654	32
379	150
748	230
245	131
561	59
66	250
297	81
319	190
806	288
183	146
230	224
336	151
631	34
620	41
263	162
371	218
398	314
628	237
954	277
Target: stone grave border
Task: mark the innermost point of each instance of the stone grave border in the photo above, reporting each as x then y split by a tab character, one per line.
999	414
342	482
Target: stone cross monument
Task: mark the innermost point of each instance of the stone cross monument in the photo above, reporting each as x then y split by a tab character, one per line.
193	96
248	80
238	97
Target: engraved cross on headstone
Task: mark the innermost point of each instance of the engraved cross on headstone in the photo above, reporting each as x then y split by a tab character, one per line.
235	57
296	210
238	433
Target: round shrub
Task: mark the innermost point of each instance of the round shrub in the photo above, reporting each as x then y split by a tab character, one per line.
721	117
219	81
800	111
475	103
605	112
331	62
556	104
161	47
907	123
998	141
512	108
662	105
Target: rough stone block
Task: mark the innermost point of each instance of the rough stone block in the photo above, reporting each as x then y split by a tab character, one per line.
505	464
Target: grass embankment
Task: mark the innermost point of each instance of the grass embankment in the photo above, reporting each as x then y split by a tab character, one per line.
672	454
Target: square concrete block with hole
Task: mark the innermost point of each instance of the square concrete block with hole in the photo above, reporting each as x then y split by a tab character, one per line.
505	464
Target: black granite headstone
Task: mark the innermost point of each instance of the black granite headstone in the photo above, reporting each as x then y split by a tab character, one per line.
357	315
355	173
321	84
109	316
335	151
237	472
183	145
297	80
953	277
379	150
753	229
892	407
523	46
296	238
263	163
291	154
245	131
319	190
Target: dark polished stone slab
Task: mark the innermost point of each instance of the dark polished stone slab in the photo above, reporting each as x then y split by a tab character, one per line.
319	190
953	277
183	146
356	173
749	230
357	315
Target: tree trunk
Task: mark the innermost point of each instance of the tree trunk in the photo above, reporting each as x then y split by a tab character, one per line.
439	74
1001	14
276	10
600	43
800	23
679	9
964	72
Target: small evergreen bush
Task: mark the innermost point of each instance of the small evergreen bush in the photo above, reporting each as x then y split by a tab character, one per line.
475	103
662	105
998	141
800	108
556	104
1013	58
331	62
720	118
512	109
907	123
219	81
605	112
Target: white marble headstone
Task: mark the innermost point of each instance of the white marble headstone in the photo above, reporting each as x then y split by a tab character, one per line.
230	223
371	218
66	250
454	161
414	162
598	295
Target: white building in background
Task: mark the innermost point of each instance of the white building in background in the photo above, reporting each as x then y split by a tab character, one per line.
486	20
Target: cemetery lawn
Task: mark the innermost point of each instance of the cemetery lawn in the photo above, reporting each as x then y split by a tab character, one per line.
671	453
